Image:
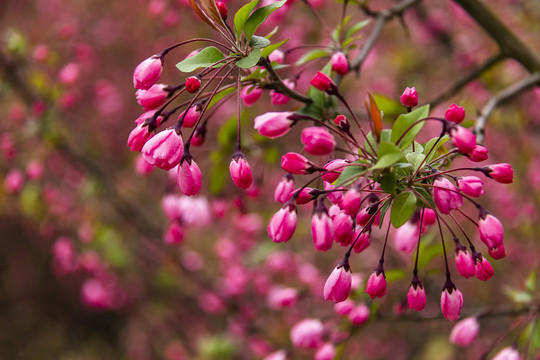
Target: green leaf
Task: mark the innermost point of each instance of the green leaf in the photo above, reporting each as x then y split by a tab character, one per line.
437	152
517	296
270	48
394	275
386	135
258	17
204	58
404	122
350	173
318	97
311	55
370	140
250	60
390	107
402	209
356	27
530	284
258	42
388	183
242	15
220	95
415	159
426	199
389	154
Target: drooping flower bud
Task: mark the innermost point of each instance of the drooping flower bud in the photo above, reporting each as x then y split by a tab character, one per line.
478	154
326	352
344	307
465	332
343	228
222	8
334	169
483	269
303	196
416	298
14	181
199	135
376	284
189	176
490	230
278	98
446	200
429	217
451	301
464	262
152	98
342	122
471	185
359	314
502	173
362	241
339	63
338	285
277	56
307	334
409	98
193	83
296	163
164	150
351	202
317	140
240	171
455	114
281	297
322	227
273	124
147	72
406	237
174	234
284	189
497	252
250	95
282	224
322	82
508	353
463	139
138	137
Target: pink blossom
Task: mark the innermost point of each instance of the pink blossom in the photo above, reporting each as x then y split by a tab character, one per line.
241	172
295	163
464	263
322	228
325	352
471	185
69	74
478	154
152	98
147	72
138	137
14	181
339	63
189	177
465	332
284	190
322	82
190	117
409	98
307	334
359	314
282	224
351	202
174	234
193	83
277	56
338	285
273	124
376	285
455	114
451	303
483	269
317	141
406	237
508	353
463	139
333	169
362	241
343	227
344	307
446	195
250	95
278	98
491	231
280	297
164	150
416	298
502	173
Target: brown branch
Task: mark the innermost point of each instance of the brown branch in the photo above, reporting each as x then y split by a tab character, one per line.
280	86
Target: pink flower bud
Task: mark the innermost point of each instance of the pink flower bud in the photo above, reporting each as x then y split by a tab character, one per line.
307	334
189	177
276	355
342	122
279	98
359	314
376	284
338	285
241	172
351	202
273	124
222	8
277	56
250	95
280	297
362	242
174	234
502	173
406	237
14	181
322	82
343	228
94	294
34	170
303	197
491	231
455	114
190	118
464	263
409	98
282	224
339	63
508	353
295	163
164	150
193	83
344	308
152	98
317	141
478	154
497	252
138	137
147	72
326	352
363	216
333	169
416	298
322	228
483	269
199	136
465	332
446	200
429	217
284	190
463	139
451	303
471	185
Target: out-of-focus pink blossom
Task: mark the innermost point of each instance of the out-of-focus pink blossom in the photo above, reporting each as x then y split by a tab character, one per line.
307	334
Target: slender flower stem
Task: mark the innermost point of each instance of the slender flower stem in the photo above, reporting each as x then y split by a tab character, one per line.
239	110
415	271
446	172
168	49
468	217
416	123
462	230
